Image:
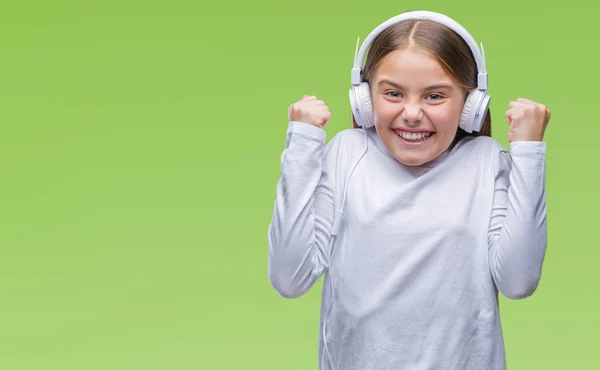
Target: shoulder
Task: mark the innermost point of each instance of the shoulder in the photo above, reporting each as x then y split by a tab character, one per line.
346	142
486	147
486	151
343	150
482	144
348	137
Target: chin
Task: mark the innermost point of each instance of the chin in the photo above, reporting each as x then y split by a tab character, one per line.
413	161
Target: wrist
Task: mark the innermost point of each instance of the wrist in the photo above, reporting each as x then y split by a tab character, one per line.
528	148
307	129
536	138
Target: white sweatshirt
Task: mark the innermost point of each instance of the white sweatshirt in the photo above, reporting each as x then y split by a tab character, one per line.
421	252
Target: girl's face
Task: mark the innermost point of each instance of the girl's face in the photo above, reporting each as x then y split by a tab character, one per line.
416	105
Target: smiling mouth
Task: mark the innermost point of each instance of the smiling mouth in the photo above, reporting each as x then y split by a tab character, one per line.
414	137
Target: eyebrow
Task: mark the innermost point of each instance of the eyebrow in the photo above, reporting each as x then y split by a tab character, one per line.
430	87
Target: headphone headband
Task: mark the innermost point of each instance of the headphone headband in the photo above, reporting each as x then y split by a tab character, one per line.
482	79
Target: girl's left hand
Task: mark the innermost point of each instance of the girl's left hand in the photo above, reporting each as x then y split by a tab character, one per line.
527	120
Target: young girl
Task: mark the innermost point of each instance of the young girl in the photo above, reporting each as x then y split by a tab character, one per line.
419	219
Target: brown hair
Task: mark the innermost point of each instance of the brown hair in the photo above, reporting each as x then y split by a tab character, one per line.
442	43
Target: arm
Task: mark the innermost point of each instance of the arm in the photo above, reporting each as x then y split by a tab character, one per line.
518	234
299	232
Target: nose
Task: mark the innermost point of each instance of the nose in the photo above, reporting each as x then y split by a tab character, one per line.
412	113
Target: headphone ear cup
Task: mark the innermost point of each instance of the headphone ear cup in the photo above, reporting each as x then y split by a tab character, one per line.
362	108
467	112
474	110
366	105
354	105
482	110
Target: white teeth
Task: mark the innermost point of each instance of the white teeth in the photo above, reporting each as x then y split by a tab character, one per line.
414	136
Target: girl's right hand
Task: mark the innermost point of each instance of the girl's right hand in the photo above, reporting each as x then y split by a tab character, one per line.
309	110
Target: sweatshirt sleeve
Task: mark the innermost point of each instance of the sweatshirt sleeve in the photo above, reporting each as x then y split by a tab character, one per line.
518	234
299	232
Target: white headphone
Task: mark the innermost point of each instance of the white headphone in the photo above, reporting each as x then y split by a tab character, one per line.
477	102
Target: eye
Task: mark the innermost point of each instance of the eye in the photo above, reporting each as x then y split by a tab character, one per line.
435	96
397	94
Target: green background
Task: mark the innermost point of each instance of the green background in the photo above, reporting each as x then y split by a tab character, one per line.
140	151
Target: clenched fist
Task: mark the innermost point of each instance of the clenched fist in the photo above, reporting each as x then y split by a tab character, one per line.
309	110
527	120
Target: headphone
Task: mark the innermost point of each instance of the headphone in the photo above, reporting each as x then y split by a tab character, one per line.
477	103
